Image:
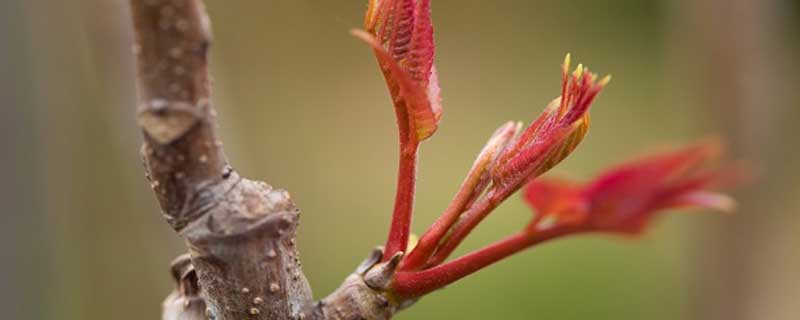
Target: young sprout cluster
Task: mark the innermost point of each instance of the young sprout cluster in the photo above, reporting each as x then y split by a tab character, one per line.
621	200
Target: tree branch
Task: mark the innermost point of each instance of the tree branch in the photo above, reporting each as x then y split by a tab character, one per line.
243	262
240	232
181	148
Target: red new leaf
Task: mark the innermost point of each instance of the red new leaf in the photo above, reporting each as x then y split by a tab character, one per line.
626	197
401	34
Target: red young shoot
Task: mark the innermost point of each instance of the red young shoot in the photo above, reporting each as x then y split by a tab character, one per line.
411	284
400	228
626	197
622	200
401	35
542	145
470	189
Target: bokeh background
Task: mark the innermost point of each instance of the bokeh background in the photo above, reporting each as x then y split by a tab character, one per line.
303	106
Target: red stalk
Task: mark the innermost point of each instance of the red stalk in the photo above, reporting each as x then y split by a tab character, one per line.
403	201
469	220
410	284
473	186
428	242
477	212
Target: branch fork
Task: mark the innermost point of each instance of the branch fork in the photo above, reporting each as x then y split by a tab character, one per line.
243	261
366	292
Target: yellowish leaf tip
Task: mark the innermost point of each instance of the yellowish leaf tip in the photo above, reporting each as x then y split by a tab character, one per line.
603	82
578	71
567	62
369	19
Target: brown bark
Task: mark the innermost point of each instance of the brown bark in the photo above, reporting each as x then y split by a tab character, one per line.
243	262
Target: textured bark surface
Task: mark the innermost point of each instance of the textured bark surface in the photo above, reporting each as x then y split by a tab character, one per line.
240	232
362	295
242	261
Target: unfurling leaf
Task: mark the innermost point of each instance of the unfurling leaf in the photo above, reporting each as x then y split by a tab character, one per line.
626	197
401	34
555	133
555	202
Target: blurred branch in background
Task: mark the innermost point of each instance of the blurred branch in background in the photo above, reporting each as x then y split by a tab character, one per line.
22	251
746	266
94	213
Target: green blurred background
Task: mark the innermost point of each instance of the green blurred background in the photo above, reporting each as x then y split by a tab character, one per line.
303	106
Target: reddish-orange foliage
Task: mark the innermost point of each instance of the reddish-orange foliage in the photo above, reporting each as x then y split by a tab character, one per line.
626	197
622	200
